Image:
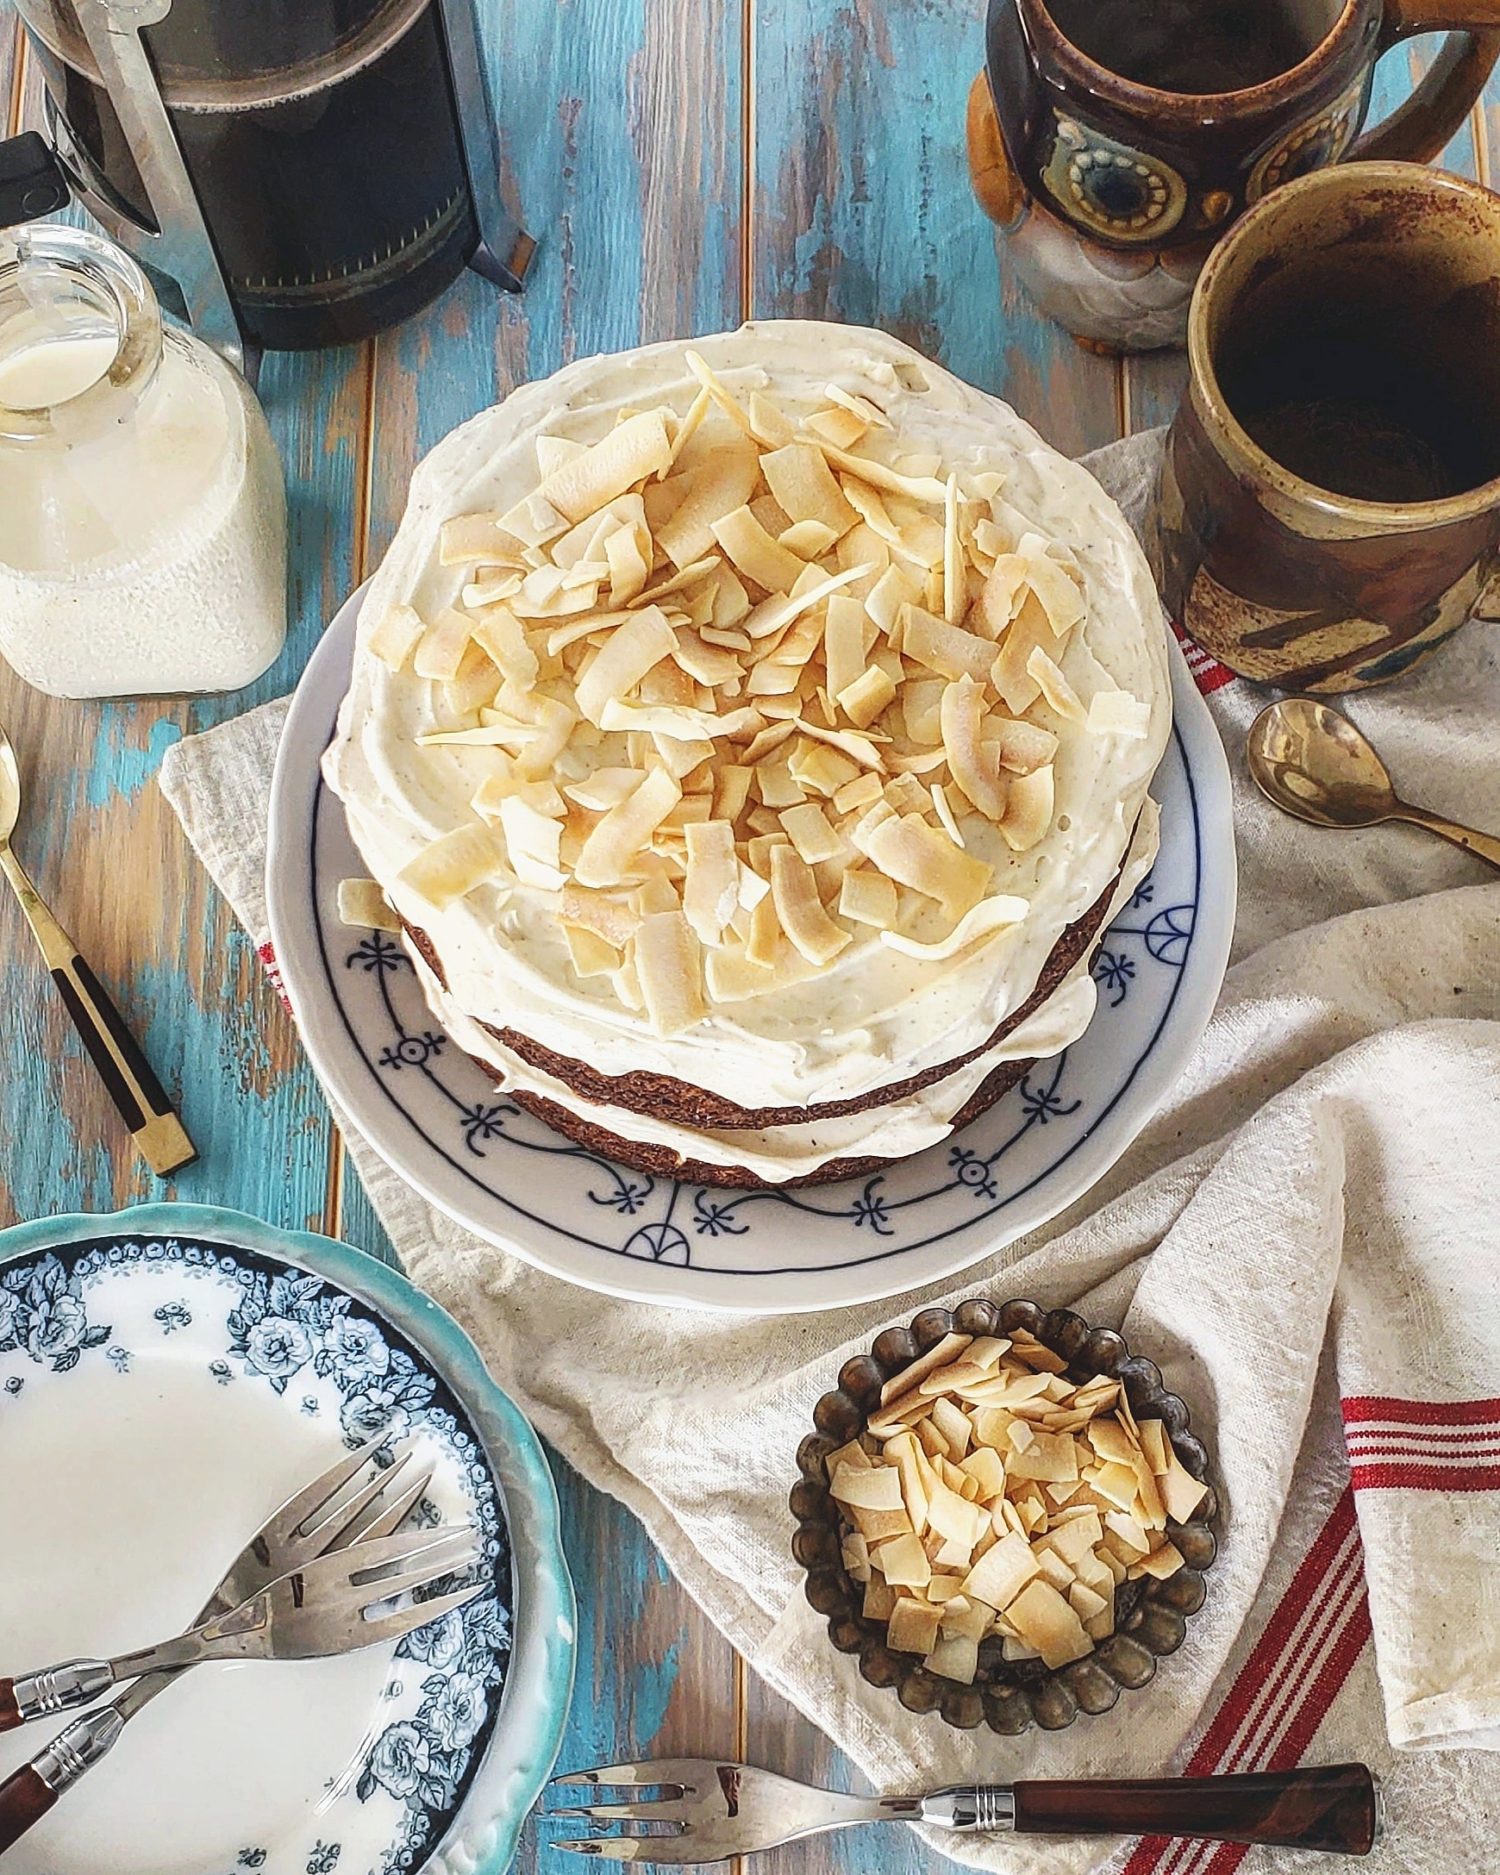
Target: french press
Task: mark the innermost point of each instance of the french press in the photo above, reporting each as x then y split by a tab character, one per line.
292	173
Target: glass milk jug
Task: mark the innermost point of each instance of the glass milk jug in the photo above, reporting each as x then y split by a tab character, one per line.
142	512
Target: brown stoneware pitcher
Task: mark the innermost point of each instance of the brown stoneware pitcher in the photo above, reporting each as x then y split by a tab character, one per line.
1329	504
1116	140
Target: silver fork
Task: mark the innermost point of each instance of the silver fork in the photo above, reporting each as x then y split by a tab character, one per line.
323	1607
351	1501
710	1811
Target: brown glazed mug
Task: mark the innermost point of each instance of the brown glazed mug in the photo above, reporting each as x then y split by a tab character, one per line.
1116	140
1328	510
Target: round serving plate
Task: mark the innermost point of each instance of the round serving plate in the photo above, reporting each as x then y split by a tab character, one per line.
168	1376
435	1117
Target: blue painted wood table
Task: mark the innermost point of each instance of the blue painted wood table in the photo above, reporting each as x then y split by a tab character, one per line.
686	164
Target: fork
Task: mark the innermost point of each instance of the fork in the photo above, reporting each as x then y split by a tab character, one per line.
323	1607
349	1502
714	1811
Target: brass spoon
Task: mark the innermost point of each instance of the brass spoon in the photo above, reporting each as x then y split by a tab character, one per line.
1312	762
158	1133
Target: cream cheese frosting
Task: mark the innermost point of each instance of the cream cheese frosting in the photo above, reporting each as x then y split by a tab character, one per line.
873	1015
777	1154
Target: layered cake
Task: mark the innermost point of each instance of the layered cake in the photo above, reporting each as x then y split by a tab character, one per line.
751	739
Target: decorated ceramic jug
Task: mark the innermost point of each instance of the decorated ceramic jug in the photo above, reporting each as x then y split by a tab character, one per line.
1116	140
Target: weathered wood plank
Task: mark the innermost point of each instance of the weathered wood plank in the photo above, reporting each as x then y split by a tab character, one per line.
620	144
620	147
1154	384
863	210
158	934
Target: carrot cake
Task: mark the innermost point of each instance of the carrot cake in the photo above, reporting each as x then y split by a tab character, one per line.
751	739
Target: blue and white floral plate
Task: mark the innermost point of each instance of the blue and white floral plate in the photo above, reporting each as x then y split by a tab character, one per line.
435	1117
167	1377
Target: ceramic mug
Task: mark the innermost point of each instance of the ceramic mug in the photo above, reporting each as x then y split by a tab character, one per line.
1328	510
1116	140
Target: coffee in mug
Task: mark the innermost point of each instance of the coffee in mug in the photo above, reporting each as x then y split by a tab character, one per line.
1329	504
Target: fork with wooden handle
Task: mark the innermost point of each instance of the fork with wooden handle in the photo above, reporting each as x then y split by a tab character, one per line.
355	1499
711	1812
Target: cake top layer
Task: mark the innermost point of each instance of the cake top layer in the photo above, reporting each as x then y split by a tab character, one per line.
759	712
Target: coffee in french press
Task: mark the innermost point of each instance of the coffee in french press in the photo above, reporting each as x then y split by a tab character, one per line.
296	173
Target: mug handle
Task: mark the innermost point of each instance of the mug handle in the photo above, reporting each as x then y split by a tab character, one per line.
999	190
1418	129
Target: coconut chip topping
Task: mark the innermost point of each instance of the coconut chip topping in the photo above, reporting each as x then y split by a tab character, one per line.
742	688
990	1495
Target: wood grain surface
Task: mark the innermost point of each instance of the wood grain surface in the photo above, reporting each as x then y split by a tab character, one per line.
685	164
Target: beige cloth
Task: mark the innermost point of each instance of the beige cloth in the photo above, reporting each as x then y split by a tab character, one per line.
1312	1216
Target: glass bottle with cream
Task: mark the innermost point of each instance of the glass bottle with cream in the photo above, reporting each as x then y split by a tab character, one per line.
142	511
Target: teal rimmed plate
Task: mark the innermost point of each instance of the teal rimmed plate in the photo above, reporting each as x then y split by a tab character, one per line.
167	1376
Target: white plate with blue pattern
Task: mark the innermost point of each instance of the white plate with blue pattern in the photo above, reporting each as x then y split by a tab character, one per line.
167	1377
434	1116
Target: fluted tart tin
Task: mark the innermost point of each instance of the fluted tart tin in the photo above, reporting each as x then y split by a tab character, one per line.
1007	1696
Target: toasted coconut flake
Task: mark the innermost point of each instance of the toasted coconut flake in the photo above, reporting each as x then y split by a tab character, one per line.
1057	591
769	425
669	966
363	905
489	588
589	953
451	867
924	488
843	641
534	520
858	794
711	891
1021	748
1054	686
613	845
868	898
869	694
723	483
946	649
800	910
855	744
1117	713
631	651
799	477
709	664
1028	810
441	648
676	582
467	538
686	430
532	842
809	540
808	830
756	553
840	426
718	390
633	450
912	853
1002	912
960	717
870	414
604	914
1029	629
955	576
395	637
946	817
500	635
629	568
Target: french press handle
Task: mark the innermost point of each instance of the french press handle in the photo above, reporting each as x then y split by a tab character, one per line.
32	181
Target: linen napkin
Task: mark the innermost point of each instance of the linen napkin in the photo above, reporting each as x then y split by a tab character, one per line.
1305	1239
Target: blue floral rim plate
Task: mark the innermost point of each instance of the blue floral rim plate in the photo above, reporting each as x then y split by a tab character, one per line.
435	1117
169	1375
